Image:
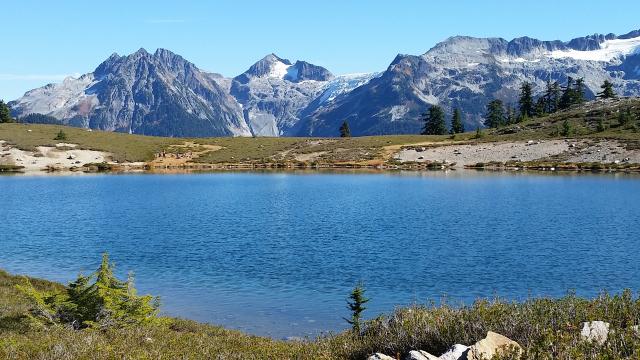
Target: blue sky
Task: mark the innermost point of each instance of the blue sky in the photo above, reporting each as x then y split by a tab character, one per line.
43	41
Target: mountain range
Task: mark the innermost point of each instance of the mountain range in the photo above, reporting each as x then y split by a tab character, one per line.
163	94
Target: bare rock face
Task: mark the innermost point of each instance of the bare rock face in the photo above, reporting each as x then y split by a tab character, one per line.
595	331
490	346
142	93
273	92
421	355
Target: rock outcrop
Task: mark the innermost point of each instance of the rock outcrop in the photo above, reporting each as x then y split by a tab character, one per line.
484	349
490	346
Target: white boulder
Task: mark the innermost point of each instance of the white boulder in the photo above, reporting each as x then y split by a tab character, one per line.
379	356
421	355
595	331
456	352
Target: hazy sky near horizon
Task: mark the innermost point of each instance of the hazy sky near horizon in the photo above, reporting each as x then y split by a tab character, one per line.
43	41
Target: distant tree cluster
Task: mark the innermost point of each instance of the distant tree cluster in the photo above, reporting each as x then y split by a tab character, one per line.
35	118
554	98
345	132
5	113
435	123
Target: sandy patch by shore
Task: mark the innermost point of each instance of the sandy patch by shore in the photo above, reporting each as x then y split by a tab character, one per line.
62	156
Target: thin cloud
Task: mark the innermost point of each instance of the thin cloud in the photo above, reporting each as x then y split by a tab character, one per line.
165	21
37	77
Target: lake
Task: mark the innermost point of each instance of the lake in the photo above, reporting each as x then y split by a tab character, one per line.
278	253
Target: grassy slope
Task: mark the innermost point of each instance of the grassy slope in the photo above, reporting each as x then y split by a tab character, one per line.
583	120
179	339
127	147
546	328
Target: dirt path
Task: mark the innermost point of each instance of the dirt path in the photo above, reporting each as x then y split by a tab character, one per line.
178	155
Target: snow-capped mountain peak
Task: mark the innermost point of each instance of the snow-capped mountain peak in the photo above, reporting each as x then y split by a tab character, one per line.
161	93
608	51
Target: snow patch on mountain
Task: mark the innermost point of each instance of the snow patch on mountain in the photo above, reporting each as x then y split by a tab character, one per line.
343	84
518	60
398	112
279	70
609	50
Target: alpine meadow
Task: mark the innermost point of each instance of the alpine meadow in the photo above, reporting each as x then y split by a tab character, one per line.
391	181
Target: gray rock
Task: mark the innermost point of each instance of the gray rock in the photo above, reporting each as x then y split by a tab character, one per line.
421	355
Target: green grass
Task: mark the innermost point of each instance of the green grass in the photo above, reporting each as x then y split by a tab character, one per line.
546	328
124	147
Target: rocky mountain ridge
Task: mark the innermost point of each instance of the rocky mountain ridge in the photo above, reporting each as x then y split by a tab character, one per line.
164	94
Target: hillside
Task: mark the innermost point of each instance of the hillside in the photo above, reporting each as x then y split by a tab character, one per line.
590	125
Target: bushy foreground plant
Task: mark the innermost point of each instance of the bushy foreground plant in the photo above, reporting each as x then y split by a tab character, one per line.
546	328
99	300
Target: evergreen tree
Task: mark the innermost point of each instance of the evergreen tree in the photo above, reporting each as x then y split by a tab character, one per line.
567	95
510	115
526	101
457	126
99	300
607	91
434	122
601	127
551	97
625	117
567	129
344	130
578	92
355	304
540	107
60	136
5	113
479	133
495	114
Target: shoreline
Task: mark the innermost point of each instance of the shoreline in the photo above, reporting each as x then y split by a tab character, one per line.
514	167
582	326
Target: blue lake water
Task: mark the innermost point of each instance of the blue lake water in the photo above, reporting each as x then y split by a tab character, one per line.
277	253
